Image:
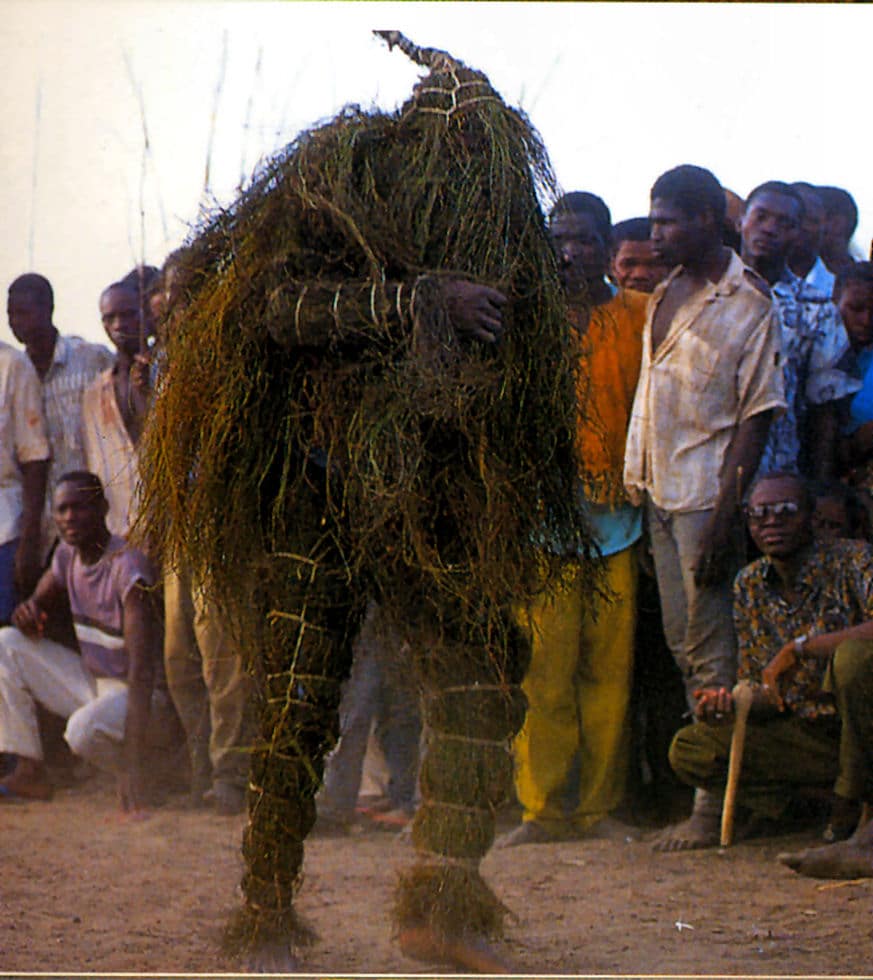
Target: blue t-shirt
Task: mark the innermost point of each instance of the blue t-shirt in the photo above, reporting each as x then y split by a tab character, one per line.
861	410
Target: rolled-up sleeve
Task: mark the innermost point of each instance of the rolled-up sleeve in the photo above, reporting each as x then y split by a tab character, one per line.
759	372
29	438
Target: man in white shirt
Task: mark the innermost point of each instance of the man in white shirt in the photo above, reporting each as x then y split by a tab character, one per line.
24	461
114	406
65	366
805	259
711	379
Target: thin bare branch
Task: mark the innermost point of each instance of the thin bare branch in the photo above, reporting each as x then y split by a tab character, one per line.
247	122
219	86
34	174
137	91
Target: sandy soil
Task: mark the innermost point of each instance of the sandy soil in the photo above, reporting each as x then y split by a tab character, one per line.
83	890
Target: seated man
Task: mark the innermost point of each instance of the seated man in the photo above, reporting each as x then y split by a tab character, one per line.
106	693
804	620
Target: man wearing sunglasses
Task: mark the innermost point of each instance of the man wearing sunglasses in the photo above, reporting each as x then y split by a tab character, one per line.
804	621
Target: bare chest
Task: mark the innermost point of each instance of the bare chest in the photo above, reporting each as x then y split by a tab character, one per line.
678	293
124	396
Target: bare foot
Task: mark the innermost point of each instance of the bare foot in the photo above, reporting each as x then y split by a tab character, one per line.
610	828
470	953
532	832
852	858
692	834
27	781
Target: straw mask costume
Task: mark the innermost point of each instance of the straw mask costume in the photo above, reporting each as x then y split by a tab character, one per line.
324	434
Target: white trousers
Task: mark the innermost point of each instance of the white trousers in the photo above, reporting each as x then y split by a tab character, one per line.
43	671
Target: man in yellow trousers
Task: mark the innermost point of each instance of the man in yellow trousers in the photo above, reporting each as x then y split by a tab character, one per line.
579	682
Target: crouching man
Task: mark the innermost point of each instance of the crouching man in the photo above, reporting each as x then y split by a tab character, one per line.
804	620
106	693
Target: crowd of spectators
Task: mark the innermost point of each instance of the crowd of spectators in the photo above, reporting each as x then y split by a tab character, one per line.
727	439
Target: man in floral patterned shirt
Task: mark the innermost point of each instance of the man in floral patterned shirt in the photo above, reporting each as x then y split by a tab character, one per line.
804	621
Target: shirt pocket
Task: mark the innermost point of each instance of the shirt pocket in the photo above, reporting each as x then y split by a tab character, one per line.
694	366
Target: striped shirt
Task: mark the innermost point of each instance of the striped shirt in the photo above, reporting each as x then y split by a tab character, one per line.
97	594
75	364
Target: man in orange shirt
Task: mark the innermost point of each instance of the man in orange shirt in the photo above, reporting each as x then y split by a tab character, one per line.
579	682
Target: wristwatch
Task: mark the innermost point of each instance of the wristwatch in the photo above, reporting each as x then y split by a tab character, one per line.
800	644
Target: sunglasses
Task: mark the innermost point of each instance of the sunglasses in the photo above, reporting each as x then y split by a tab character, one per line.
781	508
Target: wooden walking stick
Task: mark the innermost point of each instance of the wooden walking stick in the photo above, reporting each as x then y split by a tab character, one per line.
742	695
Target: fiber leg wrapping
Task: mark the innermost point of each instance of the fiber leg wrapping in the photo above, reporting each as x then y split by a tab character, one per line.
305	656
472	708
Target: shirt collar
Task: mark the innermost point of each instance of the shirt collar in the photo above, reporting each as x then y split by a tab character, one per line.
61	352
788	284
661	288
729	283
789	277
807	574
733	277
791	286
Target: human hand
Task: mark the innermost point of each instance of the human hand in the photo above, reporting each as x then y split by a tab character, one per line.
131	794
474	309
715	705
784	660
27	564
645	561
716	554
30	619
141	373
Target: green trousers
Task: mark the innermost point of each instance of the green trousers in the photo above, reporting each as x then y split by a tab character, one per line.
785	754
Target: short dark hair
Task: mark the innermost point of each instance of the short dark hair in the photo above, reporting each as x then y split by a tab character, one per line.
146	279
807	499
37	286
859	517
125	285
837	200
777	187
583	202
801	186
693	190
84	479
854	272
630	230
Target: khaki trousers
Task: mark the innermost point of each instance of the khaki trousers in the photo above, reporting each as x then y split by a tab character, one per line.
784	754
208	683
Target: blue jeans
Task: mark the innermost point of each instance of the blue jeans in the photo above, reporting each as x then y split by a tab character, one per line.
8	595
374	693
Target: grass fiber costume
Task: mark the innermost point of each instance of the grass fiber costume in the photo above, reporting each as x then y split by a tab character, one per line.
322	435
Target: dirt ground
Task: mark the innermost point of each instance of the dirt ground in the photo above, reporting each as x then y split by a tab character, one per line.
84	891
